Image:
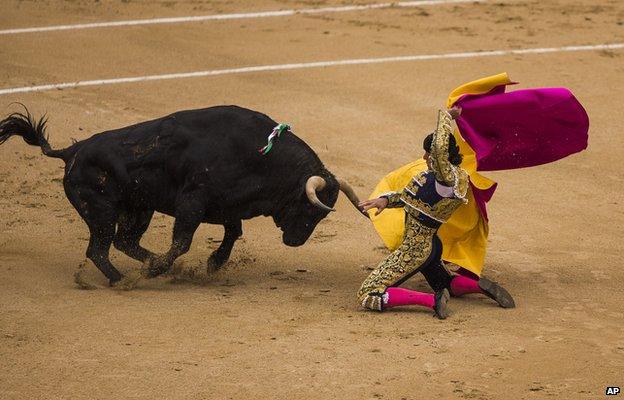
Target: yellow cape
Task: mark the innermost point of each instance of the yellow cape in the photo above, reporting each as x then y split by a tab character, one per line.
464	235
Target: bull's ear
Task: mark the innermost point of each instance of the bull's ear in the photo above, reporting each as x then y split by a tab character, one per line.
313	184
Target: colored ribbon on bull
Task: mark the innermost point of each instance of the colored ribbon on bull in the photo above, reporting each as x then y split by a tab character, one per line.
276	133
497	131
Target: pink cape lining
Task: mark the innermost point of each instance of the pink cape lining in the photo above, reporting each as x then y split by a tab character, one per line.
523	128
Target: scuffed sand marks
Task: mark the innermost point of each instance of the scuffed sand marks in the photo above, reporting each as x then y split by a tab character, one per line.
196	274
206	273
80	278
129	281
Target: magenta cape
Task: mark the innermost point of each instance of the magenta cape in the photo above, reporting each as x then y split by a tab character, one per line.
523	128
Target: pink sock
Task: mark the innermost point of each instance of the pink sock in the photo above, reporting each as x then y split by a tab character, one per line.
461	285
405	297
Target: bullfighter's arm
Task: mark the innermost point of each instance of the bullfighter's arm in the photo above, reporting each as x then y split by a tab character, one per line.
394	199
445	172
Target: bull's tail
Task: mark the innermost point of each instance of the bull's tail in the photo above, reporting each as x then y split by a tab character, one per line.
31	130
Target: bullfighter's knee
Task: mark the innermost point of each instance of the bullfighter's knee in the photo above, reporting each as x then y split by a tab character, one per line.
372	299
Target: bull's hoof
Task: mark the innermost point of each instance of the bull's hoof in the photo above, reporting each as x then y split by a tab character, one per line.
156	265
113	282
215	262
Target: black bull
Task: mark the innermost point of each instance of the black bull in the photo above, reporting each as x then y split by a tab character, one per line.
197	166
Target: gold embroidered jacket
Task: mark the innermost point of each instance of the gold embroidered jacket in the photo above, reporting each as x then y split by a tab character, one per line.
422	197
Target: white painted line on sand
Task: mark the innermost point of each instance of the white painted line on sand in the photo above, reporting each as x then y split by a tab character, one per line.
318	64
262	14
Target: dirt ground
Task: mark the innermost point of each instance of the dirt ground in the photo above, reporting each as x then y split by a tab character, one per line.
282	322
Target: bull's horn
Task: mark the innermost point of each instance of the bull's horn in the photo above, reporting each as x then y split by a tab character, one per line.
313	184
350	193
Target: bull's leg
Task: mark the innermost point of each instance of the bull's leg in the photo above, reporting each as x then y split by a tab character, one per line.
102	233
100	215
232	232
187	219
131	227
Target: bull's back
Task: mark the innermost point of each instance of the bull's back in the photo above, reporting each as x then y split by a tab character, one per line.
219	122
154	159
225	122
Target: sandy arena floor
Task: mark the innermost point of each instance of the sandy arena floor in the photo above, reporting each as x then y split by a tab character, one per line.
260	329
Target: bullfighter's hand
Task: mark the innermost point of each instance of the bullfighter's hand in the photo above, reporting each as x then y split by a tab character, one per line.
380	203
454	112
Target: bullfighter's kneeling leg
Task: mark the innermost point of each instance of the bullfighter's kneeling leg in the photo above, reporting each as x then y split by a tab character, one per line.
396	296
379	291
438	302
388	272
233	231
466	282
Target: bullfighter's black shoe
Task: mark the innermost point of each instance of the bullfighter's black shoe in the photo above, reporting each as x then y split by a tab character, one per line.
440	307
497	293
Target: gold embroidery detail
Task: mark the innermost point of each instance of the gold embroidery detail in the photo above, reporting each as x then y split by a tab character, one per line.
445	172
411	254
440	211
420	179
394	199
461	188
444	208
439	151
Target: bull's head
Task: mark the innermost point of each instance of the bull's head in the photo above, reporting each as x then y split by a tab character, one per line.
312	204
